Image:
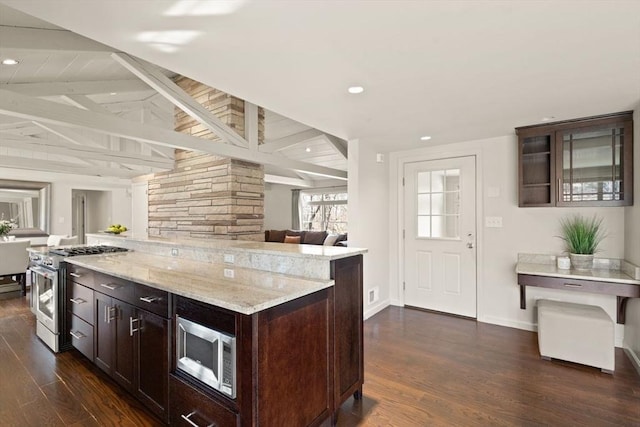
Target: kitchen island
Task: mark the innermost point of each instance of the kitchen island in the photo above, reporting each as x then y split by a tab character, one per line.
298	339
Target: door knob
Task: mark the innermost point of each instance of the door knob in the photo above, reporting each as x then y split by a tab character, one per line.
470	245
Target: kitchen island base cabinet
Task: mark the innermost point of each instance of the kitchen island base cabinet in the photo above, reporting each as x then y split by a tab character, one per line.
132	346
284	367
349	343
125	329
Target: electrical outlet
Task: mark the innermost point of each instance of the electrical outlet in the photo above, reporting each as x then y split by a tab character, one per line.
174	251
229	258
229	273
373	295
493	221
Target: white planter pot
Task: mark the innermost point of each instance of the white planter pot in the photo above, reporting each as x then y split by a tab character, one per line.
581	262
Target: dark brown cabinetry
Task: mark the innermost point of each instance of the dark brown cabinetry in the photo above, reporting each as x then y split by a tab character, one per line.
81	313
129	333
296	362
582	162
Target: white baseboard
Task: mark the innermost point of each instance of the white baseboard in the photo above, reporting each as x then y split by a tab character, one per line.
527	326
374	309
634	357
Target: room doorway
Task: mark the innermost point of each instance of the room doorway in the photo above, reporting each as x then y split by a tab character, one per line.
78	215
440	235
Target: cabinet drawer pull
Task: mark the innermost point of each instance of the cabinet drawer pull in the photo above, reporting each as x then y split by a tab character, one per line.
110	287
77	300
131	330
573	285
76	275
149	299
77	335
187	419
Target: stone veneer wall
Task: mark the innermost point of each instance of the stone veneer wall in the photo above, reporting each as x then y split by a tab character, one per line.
208	196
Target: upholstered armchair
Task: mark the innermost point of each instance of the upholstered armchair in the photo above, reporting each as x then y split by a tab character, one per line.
14	260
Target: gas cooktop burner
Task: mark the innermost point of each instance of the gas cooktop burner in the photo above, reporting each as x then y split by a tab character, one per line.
86	250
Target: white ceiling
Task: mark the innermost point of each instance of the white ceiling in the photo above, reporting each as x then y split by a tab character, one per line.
455	70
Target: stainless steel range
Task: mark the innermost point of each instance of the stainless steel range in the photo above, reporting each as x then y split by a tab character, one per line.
48	281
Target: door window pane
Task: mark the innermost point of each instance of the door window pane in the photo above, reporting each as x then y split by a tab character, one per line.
438	204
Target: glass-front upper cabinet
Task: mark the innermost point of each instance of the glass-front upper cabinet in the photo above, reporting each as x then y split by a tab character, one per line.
583	162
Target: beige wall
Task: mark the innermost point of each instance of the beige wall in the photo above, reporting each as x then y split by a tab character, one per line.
62	185
369	221
527	230
632	250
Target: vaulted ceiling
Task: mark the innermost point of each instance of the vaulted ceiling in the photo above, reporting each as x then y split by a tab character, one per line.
62	72
453	70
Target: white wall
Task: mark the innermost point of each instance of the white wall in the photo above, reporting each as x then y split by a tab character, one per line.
369	220
525	230
61	188
632	250
277	206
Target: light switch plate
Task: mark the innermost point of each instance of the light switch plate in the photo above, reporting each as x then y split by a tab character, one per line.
229	258
493	221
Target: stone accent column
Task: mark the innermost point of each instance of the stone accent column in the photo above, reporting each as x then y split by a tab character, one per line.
208	196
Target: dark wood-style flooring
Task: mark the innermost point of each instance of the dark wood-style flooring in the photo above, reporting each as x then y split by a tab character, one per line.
421	369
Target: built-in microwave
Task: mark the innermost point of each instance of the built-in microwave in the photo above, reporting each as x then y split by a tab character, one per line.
207	355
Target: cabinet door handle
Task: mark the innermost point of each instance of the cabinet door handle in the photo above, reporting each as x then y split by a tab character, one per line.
74	275
559	195
107	313
110	287
187	419
149	299
573	285
131	330
77	335
77	300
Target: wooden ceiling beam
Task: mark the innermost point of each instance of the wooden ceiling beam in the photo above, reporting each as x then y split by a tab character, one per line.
152	76
16	105
76	88
289	141
63	167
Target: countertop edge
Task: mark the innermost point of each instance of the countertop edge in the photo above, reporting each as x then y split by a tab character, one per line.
227	245
572	274
320	285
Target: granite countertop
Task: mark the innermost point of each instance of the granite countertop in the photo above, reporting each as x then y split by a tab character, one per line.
291	250
605	269
248	292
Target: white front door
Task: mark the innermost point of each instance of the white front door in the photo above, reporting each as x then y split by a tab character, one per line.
440	235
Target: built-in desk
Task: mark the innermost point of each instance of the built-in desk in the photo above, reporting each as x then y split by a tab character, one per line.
609	277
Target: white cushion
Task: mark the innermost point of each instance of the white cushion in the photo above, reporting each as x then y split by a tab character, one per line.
330	240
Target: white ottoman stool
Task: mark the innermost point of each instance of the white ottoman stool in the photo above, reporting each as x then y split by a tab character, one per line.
577	333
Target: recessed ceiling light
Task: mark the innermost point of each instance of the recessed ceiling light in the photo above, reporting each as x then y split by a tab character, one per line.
113	93
425	138
546	119
308	150
356	89
10	61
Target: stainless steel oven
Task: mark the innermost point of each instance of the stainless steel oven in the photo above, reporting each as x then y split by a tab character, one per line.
45	282
206	354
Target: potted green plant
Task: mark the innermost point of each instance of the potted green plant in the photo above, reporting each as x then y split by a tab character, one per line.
582	237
